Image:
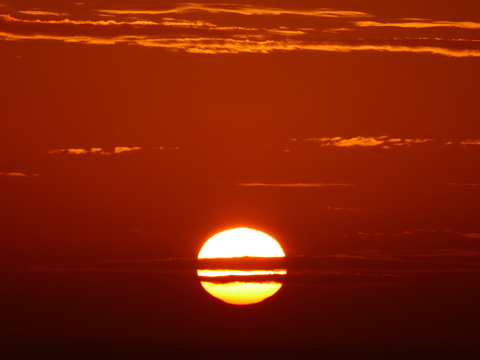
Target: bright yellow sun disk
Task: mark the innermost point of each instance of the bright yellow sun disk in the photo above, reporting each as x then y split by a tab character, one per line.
240	242
242	293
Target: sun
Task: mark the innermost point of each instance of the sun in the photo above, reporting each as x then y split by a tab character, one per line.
234	282
240	242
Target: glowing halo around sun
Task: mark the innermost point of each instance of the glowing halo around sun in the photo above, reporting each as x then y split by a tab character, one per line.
240	242
240	286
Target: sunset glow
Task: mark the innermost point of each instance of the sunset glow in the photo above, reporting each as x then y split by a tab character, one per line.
226	179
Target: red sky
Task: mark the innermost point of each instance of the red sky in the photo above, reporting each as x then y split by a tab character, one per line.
134	130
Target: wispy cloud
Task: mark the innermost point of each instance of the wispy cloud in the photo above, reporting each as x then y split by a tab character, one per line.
337	208
398	263
98	269
205	45
419	232
464	184
292	185
151	28
472	235
80	151
157	260
101	151
405	265
363	141
167	148
76	151
201	24
384	142
421	24
121	149
9	18
41	13
17	174
240	10
470	142
235	46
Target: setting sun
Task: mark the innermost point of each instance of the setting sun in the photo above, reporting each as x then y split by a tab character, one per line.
240	242
237	256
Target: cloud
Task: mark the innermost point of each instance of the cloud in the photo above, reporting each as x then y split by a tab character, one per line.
121	149
419	232
9	18
158	260
440	253
206	45
470	142
292	185
79	39
222	273
101	151
17	174
382	142
362	141
80	151
421	24
357	141
336	208
167	148
406	233
376	234
93	269
414	141
41	13
69	151
472	235
406	265
200	24
396	263
77	151
464	184
234	37
241	10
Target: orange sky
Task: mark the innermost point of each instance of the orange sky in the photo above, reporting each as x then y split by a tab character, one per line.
136	129
158	124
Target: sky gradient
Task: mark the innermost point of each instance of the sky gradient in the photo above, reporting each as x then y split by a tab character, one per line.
132	131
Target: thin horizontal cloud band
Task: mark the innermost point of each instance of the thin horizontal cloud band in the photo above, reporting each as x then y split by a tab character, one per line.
41	13
292	185
238	10
8	18
384	142
464	184
17	174
132	27
236	46
421	24
101	151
